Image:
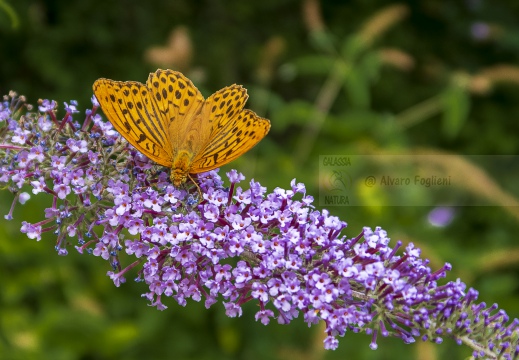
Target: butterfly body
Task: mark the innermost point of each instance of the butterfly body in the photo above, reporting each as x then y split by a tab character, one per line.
168	120
181	167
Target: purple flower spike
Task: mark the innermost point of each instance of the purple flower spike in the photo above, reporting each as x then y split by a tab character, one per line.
232	245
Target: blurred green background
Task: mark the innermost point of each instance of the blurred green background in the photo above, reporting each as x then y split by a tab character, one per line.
335	78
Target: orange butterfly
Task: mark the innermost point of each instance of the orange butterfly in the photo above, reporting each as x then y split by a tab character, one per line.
168	120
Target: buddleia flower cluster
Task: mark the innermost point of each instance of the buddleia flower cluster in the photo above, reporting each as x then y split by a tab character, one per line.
231	241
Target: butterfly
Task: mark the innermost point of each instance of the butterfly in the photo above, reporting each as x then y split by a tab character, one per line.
169	121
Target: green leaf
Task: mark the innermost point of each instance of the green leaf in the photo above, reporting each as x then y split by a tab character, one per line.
357	87
456	104
370	65
296	112
352	48
314	64
15	22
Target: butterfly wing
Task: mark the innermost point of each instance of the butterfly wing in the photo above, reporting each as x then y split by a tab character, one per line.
221	107
129	107
179	104
236	136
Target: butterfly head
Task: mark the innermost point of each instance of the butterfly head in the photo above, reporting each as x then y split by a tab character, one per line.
178	177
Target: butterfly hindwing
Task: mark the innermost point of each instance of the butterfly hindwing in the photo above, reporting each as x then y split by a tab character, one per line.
127	106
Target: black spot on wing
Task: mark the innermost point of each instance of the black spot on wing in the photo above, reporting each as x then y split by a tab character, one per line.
142	138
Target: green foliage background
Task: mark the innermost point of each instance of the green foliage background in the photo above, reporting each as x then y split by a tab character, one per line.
335	77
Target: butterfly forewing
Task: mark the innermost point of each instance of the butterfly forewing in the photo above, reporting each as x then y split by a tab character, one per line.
221	107
179	103
236	137
128	107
